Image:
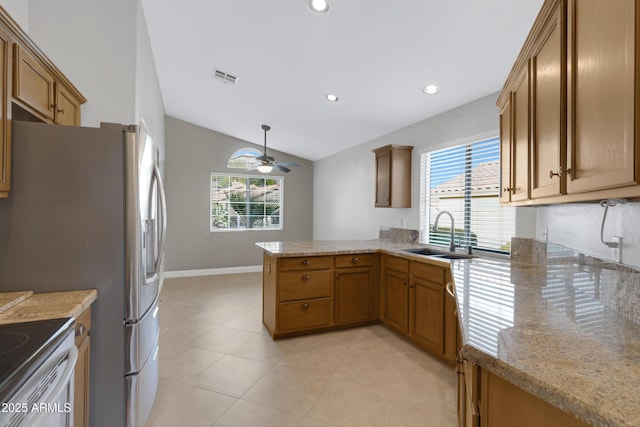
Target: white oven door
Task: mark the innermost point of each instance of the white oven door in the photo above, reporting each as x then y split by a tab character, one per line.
46	398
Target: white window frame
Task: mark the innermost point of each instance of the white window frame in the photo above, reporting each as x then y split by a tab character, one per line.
425	192
278	178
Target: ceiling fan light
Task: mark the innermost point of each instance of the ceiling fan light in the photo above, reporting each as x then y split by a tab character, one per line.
319	6
265	168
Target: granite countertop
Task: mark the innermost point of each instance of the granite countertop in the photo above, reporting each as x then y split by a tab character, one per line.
338	247
542	325
27	306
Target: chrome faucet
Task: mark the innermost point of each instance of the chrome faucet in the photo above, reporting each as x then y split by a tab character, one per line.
452	245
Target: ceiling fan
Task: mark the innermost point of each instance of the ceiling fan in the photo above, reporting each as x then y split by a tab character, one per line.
265	164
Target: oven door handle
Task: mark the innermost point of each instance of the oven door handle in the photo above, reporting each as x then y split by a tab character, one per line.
52	396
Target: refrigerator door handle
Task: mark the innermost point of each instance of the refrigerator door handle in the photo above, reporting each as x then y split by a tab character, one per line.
163	214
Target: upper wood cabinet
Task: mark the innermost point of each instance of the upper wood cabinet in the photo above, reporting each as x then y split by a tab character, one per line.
548	93
515	130
520	131
603	95
584	106
30	81
393	176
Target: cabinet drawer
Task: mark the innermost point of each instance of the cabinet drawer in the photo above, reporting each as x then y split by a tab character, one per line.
354	260
396	263
295	285
83	326
305	263
306	314
429	272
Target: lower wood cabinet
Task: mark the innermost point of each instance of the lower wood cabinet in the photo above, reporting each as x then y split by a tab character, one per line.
415	304
487	400
353	295
315	293
81	373
309	294
395	293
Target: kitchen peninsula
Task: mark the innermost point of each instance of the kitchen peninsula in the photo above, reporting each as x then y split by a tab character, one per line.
541	323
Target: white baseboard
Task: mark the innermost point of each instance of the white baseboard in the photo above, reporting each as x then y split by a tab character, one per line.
212	271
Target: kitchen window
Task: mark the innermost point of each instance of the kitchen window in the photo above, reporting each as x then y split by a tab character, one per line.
465	181
245	202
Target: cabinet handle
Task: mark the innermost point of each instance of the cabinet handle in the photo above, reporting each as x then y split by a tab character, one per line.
355	260
404	283
449	289
507	189
412	286
305	306
306	262
558	174
305	278
569	171
80	328
60	110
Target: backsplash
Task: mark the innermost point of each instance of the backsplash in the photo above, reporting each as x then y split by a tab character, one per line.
400	235
615	286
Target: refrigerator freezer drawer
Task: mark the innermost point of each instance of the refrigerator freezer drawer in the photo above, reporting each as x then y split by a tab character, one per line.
141	391
142	338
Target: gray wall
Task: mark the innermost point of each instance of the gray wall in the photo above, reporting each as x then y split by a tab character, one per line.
193	153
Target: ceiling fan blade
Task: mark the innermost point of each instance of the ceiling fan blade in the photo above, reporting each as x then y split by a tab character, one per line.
289	164
282	168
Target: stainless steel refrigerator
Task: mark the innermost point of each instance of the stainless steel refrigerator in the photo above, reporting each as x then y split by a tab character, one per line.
87	210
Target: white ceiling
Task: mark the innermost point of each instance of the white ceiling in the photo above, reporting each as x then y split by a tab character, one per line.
376	55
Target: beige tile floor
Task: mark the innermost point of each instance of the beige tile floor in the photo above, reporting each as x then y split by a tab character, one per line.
219	367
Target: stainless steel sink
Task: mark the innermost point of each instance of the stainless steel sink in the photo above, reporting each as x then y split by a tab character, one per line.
437	253
424	251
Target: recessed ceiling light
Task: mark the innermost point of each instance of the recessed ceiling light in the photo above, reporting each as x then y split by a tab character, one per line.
319	6
431	89
331	97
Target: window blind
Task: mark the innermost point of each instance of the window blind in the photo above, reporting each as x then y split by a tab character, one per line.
465	181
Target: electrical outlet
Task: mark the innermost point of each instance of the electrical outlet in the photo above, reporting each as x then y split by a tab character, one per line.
616	253
543	234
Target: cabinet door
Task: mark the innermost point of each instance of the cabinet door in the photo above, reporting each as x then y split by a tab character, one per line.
67	107
602	94
396	300
383	179
5	137
520	131
548	115
353	295
426	315
33	84
81	373
81	385
505	153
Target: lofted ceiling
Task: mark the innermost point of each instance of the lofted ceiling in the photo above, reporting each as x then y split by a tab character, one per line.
375	55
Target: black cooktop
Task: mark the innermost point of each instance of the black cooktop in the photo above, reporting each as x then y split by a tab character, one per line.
22	344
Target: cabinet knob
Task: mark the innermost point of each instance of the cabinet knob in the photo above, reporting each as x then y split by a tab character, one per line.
558	174
80	328
306	262
507	189
305	306
355	260
305	278
60	110
412	286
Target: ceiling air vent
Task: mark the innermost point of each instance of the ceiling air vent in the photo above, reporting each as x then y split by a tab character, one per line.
226	78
